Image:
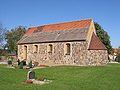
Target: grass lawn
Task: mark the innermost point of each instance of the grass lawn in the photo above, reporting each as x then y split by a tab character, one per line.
64	78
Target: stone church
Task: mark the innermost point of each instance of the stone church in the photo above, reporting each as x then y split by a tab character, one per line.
67	43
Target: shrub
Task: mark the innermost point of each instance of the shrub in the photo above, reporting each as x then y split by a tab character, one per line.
10	60
21	65
30	64
18	62
16	66
24	62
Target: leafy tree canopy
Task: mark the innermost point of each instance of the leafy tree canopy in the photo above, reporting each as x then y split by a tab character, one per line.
12	37
2	34
104	37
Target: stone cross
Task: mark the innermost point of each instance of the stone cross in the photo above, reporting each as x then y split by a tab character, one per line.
30	74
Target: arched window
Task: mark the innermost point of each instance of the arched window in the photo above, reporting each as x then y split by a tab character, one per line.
68	49
35	48
25	52
50	48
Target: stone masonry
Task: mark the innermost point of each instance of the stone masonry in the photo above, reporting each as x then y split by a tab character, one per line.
79	54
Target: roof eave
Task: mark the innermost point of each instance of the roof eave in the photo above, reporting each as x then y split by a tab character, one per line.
52	42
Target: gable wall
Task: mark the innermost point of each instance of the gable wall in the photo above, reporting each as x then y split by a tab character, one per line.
90	32
97	57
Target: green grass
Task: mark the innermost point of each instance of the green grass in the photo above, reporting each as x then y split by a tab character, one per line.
64	78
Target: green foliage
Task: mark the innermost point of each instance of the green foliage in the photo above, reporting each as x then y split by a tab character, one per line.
18	62
2	35
30	64
21	65
104	37
2	53
11	58
24	62
13	36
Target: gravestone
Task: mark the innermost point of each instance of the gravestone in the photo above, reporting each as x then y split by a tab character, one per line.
31	74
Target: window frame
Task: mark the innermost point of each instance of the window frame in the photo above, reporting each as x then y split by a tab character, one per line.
68	49
35	48
50	48
25	51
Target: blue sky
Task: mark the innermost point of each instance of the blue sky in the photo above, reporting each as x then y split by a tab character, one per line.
38	12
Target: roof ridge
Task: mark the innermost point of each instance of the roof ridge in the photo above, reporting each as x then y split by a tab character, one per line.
60	23
65	22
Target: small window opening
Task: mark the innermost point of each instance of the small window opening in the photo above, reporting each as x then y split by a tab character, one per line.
67	49
50	48
36	48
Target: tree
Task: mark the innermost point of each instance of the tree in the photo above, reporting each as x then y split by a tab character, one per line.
12	37
104	37
2	34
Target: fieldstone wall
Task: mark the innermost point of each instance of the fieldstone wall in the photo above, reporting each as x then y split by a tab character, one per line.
20	52
97	57
79	54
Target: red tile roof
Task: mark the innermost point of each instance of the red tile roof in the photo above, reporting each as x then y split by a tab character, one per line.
60	26
96	44
31	30
115	50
